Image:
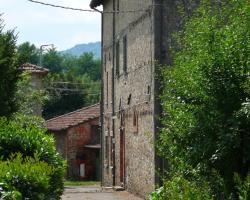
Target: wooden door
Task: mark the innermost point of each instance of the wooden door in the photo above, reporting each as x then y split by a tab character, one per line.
122	151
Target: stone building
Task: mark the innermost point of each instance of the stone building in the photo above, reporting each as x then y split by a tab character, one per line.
37	74
136	37
77	137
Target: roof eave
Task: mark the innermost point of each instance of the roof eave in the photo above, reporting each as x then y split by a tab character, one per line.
95	3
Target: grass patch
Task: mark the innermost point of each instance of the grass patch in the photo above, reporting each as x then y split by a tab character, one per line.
80	183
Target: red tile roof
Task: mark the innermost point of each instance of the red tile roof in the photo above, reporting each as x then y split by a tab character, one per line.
74	118
34	69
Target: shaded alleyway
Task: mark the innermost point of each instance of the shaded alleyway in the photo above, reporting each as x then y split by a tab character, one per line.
94	192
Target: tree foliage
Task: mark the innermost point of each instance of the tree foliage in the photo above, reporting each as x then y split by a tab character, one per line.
9	71
28	177
73	82
53	61
27	53
206	96
25	136
68	93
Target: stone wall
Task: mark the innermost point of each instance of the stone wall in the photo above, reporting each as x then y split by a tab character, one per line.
133	96
37	84
148	35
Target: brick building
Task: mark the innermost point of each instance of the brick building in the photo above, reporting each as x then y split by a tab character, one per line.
136	37
77	137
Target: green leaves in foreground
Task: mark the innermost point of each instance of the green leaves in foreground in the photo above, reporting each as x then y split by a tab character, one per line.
24	177
24	136
206	97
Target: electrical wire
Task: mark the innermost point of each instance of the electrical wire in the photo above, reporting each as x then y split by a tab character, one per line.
85	10
63	7
72	83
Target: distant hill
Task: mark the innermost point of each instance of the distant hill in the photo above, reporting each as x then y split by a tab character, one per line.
77	50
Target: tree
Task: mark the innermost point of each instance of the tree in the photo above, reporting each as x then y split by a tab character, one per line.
28	53
206	97
53	61
9	71
88	65
68	92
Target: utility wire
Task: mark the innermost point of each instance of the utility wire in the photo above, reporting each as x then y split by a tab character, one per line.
85	10
67	89
59	6
73	83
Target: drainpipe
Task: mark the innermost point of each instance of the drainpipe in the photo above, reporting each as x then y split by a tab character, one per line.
101	156
157	31
102	107
113	96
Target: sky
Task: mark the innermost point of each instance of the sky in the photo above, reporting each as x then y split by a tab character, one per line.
41	25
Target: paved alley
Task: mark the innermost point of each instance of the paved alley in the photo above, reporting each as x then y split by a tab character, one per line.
95	193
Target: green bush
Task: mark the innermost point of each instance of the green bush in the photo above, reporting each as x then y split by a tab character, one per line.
23	136
179	188
26	177
243	187
205	97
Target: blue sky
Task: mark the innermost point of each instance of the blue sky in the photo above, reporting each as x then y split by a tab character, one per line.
40	24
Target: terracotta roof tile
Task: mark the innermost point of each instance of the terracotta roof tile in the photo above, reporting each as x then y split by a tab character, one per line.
34	69
74	118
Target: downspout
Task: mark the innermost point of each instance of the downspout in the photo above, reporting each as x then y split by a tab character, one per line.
113	96
101	101
102	106
157	30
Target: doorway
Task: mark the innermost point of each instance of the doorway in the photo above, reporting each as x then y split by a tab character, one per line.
122	150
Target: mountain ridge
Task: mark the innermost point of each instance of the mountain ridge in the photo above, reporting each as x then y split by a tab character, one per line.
79	49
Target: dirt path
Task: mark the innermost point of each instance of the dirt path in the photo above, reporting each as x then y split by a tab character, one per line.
95	193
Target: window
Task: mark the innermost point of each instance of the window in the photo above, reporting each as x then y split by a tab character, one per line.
117	47
135	122
125	54
109	56
107	149
95	134
129	99
107	144
107	89
111	151
118	6
105	61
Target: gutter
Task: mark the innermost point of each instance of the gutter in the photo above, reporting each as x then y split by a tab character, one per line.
113	96
157	31
102	108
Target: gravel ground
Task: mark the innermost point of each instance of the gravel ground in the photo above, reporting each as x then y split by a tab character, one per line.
95	192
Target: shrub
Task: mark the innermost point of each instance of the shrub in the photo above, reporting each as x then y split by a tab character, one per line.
179	188
182	189
206	96
22	136
25	177
243	187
